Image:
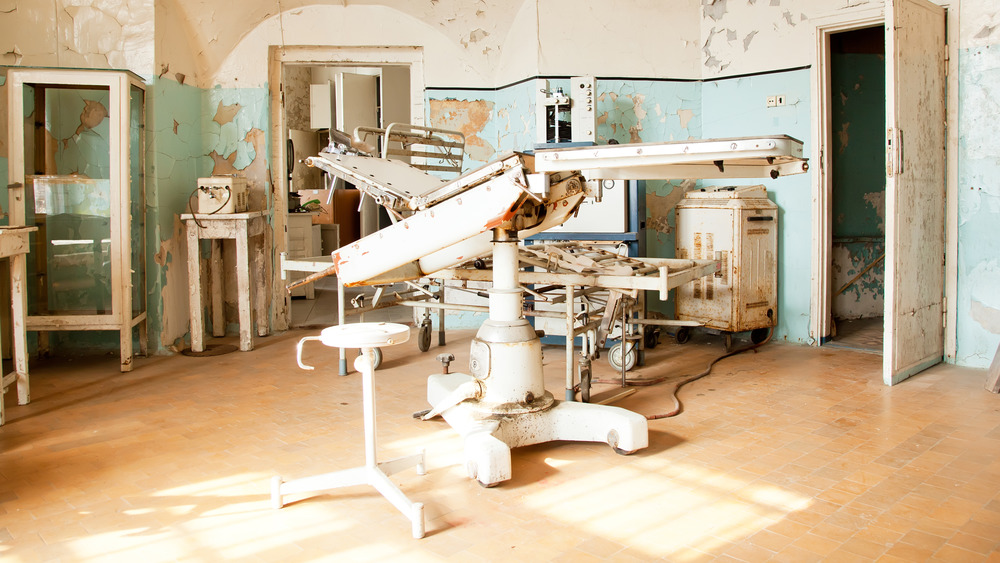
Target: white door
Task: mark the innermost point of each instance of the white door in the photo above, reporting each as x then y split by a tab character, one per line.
357	101
915	187
357	105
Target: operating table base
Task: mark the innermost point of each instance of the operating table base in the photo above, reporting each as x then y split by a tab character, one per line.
489	436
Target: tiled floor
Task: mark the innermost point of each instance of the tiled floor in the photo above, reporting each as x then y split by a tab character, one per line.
788	454
860	334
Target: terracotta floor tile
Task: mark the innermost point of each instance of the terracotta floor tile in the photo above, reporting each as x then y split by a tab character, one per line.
865	548
923	540
910	552
951	552
974	543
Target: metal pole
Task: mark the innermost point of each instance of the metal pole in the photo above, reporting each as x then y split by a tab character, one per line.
365	366
340	321
570	298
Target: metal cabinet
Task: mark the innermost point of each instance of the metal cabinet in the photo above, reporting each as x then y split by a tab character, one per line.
76	172
739	226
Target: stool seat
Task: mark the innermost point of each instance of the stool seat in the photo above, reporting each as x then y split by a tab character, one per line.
364	335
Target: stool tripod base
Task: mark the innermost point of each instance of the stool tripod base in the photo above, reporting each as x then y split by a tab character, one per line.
377	477
367	337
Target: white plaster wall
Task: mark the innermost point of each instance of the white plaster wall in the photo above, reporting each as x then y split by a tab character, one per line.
519	48
246	65
465	39
979	24
175	58
78	33
641	38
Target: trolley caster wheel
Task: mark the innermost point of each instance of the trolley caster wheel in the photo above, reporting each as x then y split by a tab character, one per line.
376	358
622	452
759	335
651	338
585	380
424	337
616	360
683	335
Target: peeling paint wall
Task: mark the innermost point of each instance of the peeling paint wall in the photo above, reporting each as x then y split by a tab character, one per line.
176	160
978	307
748	36
173	42
71	33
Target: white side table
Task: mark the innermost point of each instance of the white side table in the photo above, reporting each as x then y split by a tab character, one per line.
14	244
249	273
367	337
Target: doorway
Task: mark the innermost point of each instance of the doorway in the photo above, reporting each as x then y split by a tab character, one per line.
912	151
325	213
291	65
857	246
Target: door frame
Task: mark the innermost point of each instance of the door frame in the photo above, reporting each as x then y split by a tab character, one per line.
320	55
822	193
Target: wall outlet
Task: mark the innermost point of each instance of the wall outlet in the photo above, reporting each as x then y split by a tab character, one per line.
775	101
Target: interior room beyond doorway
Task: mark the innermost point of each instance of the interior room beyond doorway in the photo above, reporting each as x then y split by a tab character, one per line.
858	244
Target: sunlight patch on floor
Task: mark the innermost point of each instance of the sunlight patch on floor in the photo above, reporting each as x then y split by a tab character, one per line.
664	514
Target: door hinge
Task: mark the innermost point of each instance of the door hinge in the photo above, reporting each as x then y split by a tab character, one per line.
944	311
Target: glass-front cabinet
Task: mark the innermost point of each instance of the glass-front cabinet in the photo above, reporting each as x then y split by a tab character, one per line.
76	172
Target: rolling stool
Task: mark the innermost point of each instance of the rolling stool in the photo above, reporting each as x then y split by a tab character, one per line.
365	336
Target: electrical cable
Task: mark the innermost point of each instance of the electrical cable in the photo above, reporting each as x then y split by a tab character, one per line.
678	407
229	195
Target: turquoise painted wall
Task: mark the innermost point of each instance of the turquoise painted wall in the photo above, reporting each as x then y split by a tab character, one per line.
978	307
737	108
175	160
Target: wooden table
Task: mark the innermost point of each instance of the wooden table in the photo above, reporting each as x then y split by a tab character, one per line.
240	227
14	246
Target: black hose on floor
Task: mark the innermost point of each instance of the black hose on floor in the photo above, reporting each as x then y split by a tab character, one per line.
678	407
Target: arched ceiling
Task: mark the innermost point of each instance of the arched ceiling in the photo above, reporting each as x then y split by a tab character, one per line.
216	27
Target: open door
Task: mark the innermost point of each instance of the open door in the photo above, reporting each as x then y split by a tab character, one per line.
357	106
915	187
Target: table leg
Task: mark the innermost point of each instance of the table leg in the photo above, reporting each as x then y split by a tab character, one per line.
194	277
144	338
260	288
215	281
243	285
19	306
